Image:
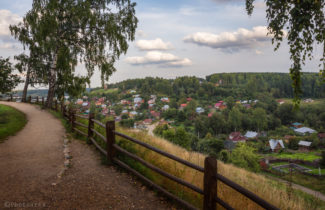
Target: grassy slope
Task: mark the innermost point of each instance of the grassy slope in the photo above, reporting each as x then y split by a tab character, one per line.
272	191
11	121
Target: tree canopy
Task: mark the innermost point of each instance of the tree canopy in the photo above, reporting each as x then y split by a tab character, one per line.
304	23
68	32
8	80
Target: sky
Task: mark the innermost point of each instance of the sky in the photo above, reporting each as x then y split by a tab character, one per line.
182	38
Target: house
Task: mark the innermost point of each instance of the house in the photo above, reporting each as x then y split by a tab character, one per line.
199	110
218	105
280	101
155	114
85	104
147	121
133	114
189	99
165	99
210	114
304	130
251	134
137	100
125	111
151	101
136	96
79	101
308	100
247	106
276	145
304	145
182	106
296	125
165	107
154	97
236	137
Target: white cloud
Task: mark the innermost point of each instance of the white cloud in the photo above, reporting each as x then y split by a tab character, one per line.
156	44
7	18
231	41
160	58
141	33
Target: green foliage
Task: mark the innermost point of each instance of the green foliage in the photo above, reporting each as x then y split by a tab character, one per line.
293	144
211	146
322	162
128	123
245	156
224	156
68	32
8	80
304	23
11	121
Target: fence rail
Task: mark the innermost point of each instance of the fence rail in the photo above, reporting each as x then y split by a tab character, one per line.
211	177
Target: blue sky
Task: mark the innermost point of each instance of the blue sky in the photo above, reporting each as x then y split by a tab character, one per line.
183	37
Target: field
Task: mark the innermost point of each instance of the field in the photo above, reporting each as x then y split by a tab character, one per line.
311	156
103	92
11	121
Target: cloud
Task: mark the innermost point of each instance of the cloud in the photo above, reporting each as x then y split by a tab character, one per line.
141	33
159	58
156	44
231	41
7	18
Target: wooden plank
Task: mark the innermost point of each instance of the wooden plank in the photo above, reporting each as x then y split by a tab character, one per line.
223	204
97	146
80	132
191	165
82	116
157	187
158	170
99	134
110	140
80	124
99	123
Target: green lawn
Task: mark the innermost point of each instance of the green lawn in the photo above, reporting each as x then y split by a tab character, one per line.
299	156
11	121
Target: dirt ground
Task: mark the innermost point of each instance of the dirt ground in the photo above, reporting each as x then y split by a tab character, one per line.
31	161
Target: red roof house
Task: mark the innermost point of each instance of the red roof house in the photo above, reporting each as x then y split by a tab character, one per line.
237	137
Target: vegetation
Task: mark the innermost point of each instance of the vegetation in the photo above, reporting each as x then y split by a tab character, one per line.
66	32
8	80
297	156
302	23
11	121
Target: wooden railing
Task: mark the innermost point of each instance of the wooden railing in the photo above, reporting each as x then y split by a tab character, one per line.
211	177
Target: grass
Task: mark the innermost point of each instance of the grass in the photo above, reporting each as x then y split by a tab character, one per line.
268	189
298	156
11	121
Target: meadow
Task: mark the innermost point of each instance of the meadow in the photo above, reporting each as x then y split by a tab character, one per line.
11	121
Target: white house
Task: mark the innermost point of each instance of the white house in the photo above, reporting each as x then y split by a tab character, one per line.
304	130
276	145
165	107
199	110
251	134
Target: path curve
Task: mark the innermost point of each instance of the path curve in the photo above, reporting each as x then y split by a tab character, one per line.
31	160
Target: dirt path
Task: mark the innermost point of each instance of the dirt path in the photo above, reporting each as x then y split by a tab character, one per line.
31	161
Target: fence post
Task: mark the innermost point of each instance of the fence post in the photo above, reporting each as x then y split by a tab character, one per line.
37	100
72	118
210	183
11	97
29	99
90	126
110	137
42	101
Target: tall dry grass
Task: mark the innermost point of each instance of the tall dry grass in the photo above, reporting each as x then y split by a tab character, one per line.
270	190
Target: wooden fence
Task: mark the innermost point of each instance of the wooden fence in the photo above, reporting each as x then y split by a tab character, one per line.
211	176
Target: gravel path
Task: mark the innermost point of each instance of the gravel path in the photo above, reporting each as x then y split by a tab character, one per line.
31	161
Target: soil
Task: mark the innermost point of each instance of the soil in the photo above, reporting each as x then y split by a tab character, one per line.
31	160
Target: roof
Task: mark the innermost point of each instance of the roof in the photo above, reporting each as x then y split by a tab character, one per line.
183	105
236	136
321	135
273	143
251	134
218	104
304	130
304	143
296	123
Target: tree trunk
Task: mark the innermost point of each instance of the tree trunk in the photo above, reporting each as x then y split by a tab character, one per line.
52	81
24	97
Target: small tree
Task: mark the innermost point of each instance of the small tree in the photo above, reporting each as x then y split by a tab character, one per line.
8	80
